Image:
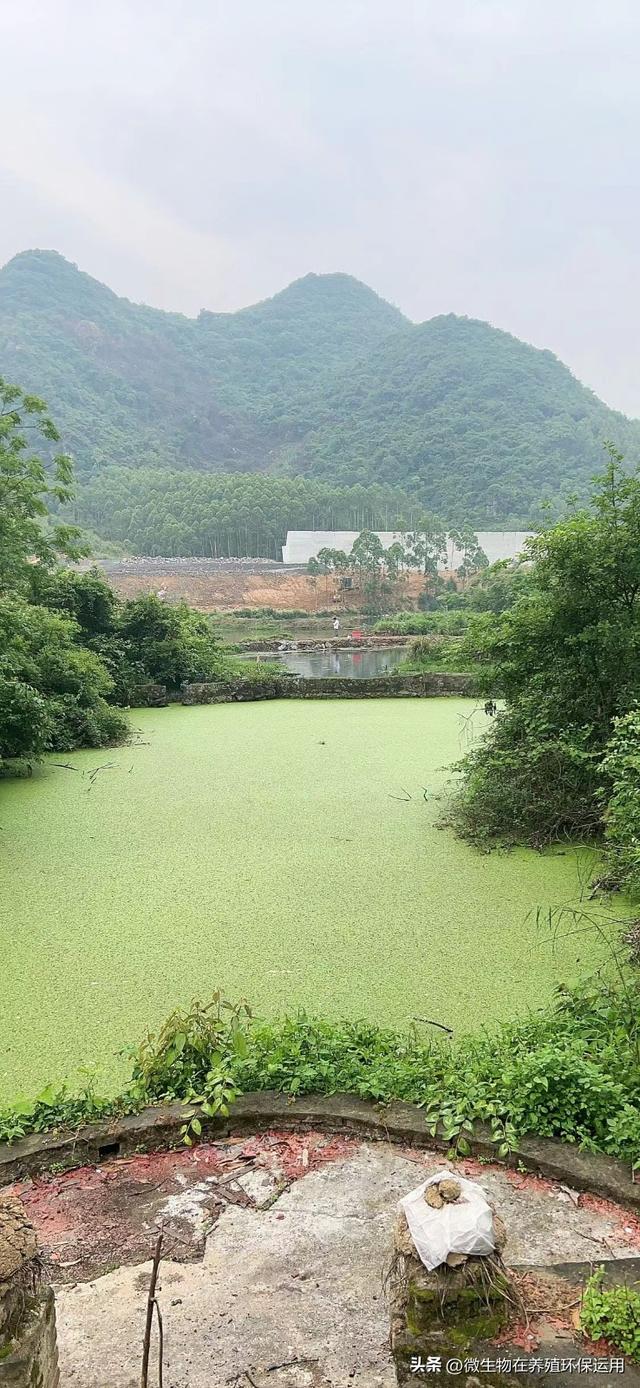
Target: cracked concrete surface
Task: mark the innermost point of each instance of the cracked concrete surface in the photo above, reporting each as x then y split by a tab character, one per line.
291	1296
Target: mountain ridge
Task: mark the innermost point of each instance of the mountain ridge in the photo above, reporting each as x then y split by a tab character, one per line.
47	258
322	380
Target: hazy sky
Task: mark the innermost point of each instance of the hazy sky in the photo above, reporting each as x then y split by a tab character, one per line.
478	157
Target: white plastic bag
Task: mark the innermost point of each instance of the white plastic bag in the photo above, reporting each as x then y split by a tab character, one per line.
461	1226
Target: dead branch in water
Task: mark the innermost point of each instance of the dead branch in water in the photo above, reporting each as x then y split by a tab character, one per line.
106	766
429	1022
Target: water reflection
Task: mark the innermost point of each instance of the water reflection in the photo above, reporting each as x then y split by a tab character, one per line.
357	664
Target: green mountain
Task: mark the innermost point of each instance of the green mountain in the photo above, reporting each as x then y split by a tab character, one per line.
473	419
130	384
325	381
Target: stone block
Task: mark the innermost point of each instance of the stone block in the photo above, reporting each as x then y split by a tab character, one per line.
28	1348
448	1313
150	696
30	1359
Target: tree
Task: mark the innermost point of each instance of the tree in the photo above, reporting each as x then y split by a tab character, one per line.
331	561
498	587
427	546
25	724
395	558
466	542
137	641
367	552
566	657
314	571
28	485
368	559
171	644
86	597
69	648
54	690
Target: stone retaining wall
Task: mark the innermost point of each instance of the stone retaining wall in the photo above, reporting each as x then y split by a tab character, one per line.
433	685
156	1129
294	687
150	696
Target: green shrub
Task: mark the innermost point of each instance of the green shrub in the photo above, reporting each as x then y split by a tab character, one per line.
58	1108
620	768
53	690
527	782
613	1314
440	623
279	614
25	722
99	725
434	653
566	658
571	1072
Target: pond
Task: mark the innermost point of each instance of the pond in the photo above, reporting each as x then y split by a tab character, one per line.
285	851
362	664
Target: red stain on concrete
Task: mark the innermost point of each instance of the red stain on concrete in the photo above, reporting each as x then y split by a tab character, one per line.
98	1217
295	1154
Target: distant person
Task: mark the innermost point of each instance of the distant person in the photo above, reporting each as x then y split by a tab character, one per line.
336	625
491	707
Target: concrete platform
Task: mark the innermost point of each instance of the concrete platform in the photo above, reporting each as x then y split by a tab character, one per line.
275	1252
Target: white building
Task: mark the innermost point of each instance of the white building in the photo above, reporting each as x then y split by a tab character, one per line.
303	545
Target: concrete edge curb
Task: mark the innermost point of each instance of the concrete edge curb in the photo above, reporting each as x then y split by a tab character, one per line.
157	1129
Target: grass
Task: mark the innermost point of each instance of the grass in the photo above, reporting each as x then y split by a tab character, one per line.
233	629
266	849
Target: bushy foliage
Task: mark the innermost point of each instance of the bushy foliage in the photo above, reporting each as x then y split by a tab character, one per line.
25	724
85	597
138	640
439	623
447	609
497	588
54	690
28	486
570	1072
620	773
528	781
612	1314
55	1108
266	613
68	646
171	643
435	653
65	661
530	1076
566	657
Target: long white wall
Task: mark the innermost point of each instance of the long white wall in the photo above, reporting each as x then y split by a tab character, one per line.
303	545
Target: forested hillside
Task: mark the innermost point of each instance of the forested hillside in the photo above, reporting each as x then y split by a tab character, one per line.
478	422
134	385
154	511
325	381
